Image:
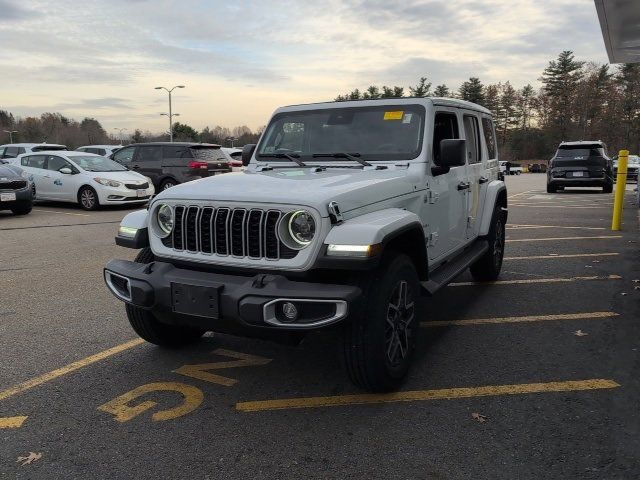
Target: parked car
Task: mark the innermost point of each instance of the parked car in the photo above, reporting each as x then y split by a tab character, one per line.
15	191
12	150
84	178
633	165
514	169
534	168
346	213
235	158
169	164
580	164
104	150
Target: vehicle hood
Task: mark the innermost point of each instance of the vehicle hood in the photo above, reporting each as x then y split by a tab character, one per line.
10	172
351	188
126	176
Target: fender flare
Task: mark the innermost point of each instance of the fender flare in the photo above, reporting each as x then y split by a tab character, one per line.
496	192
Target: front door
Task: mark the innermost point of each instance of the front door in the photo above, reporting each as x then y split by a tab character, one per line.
446	201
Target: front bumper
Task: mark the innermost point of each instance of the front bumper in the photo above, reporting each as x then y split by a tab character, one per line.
122	195
23	197
244	305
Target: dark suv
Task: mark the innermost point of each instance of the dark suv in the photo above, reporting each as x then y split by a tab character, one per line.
580	164
168	164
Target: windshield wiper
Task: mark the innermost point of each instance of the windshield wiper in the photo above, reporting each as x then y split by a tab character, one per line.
350	156
293	157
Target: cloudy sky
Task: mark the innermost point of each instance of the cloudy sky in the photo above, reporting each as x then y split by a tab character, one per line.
240	60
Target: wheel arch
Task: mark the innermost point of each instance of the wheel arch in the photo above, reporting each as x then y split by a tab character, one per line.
496	195
410	241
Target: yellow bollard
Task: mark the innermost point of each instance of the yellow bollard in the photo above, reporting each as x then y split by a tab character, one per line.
618	202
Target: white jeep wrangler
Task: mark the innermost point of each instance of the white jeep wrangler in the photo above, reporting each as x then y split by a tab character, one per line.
346	213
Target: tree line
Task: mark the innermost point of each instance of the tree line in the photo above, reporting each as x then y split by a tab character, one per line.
577	101
57	128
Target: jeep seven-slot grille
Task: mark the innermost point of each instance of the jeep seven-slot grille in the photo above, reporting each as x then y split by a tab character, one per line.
237	232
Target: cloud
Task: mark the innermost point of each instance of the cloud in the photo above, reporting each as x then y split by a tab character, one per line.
10	11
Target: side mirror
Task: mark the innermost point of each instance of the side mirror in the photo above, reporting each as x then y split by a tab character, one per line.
247	153
66	170
453	153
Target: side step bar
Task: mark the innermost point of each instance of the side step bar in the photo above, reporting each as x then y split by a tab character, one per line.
445	273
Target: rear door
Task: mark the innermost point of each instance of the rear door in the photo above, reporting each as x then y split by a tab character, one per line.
476	169
33	165
148	162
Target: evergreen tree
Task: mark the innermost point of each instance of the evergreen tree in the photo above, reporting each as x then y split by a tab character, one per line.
471	91
423	89
442	91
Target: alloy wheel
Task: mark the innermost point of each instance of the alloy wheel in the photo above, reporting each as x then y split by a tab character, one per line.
88	199
398	332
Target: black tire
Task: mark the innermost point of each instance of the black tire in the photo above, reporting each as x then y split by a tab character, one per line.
487	268
168	183
22	209
378	349
608	188
518	172
551	188
150	329
88	199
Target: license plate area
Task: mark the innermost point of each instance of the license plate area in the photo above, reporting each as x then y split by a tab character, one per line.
196	300
578	174
141	193
7	197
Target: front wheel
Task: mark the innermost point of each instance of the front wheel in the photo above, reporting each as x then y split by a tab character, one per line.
608	188
88	198
551	188
22	210
379	342
488	267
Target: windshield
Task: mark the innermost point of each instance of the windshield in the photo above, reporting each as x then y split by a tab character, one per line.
95	163
384	132
573	151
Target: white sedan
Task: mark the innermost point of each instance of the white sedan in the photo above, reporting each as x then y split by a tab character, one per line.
84	178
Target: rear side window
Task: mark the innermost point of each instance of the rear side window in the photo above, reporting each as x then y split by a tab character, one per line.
149	153
472	134
489	137
177	151
35	161
209	154
124	155
445	127
11	152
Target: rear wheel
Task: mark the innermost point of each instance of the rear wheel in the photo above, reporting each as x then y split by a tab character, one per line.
488	267
168	183
88	198
379	343
150	329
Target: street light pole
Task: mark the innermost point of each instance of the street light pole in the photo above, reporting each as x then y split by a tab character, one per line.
170	115
120	130
10	132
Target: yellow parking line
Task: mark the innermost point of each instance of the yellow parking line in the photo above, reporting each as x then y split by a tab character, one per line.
12	422
72	367
553	239
551	257
523	319
526	227
423	395
62	213
537	280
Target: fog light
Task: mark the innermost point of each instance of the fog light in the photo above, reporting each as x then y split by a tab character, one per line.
290	311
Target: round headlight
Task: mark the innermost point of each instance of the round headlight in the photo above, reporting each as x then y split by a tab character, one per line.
164	217
302	227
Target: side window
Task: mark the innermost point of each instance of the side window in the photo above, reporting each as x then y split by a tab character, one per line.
125	155
472	134
2	149
101	151
177	151
36	161
150	153
445	127
489	137
56	163
11	152
24	161
21	150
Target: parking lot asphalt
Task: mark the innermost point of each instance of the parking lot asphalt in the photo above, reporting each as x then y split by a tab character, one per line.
534	376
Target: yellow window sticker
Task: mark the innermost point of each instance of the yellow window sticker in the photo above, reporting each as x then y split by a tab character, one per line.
397	115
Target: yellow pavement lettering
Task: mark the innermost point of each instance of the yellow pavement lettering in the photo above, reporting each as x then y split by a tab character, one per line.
72	367
120	408
538	280
202	371
521	319
11	422
423	395
573	255
600	237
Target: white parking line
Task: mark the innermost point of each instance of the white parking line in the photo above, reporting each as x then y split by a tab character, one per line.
61	213
537	280
526	227
562	238
552	257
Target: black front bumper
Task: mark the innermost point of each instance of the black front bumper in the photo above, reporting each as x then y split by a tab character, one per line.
23	198
226	303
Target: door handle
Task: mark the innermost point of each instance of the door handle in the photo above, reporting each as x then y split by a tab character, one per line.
464	186
482	180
